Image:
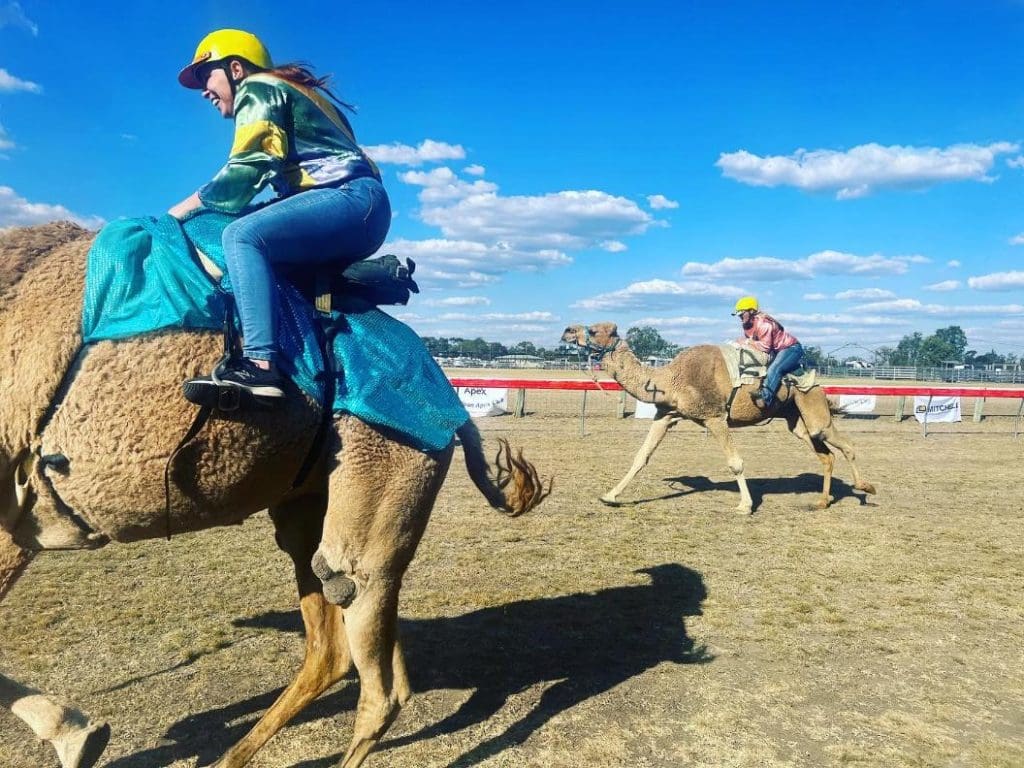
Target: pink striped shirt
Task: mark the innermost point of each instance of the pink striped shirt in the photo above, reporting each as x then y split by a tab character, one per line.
768	335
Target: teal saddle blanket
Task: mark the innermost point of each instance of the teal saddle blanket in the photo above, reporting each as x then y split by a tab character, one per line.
143	275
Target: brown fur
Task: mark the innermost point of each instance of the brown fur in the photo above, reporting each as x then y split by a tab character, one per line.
696	385
124	413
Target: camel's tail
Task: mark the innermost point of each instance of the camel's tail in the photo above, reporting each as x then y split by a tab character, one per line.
516	489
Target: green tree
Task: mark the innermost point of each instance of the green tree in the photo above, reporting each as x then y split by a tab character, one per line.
908	349
524	348
955	340
645	341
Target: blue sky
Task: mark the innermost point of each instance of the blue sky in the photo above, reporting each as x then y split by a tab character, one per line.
859	168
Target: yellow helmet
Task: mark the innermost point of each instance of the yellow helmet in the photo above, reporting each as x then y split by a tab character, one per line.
225	44
746	304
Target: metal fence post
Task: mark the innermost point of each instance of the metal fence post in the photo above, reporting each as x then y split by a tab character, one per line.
925	422
583	414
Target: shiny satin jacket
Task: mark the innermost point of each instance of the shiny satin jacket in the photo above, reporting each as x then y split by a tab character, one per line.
768	335
289	137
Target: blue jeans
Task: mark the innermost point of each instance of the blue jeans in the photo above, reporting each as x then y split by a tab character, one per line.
785	361
332	225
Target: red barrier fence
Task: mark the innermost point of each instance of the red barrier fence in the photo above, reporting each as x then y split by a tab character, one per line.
979	394
608	385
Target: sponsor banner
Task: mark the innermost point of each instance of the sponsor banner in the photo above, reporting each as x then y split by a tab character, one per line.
857	403
644	410
484	401
941	408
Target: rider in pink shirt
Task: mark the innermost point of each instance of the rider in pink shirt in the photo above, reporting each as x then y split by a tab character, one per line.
764	332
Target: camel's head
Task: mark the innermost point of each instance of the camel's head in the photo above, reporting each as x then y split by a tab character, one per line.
600	337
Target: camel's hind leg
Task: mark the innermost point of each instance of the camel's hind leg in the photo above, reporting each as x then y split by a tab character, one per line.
381	498
817	418
719	428
659	428
298	529
78	742
821	450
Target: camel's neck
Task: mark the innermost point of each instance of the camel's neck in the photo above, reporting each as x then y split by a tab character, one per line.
641	381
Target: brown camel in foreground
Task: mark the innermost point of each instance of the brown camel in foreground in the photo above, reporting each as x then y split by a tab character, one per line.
91	470
697	386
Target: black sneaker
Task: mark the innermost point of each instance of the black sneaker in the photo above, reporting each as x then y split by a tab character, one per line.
247	375
241	374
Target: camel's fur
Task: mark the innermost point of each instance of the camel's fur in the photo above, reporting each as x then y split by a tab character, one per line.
118	422
696	385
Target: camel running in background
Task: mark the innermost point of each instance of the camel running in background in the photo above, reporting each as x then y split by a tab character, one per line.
697	386
121	414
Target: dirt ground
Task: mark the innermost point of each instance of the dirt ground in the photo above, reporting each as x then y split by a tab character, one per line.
669	631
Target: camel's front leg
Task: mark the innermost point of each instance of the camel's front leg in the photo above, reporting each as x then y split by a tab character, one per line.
78	742
657	432
720	430
299	524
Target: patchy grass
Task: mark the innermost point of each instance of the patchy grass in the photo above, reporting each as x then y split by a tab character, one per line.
669	631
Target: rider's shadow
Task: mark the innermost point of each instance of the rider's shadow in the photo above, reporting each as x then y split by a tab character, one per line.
581	644
807	482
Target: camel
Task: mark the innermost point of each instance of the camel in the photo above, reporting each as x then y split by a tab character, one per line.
85	434
696	386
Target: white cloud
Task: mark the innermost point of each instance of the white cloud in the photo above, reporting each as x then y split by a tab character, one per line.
660	202
660	294
5	143
953	264
866	294
613	246
428	151
998	281
442	185
457	301
945	285
11	15
566	220
865	169
1016	162
475	170
470	263
946	310
16	211
1017	239
11	84
767	269
815	296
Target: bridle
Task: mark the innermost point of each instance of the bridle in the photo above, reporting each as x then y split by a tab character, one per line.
598	351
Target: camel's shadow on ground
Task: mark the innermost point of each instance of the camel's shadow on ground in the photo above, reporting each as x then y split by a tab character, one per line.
581	644
808	482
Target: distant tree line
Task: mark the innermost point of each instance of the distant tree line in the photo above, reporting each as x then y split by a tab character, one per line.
945	346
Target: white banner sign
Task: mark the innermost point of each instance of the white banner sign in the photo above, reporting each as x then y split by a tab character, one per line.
857	403
484	401
940	409
644	410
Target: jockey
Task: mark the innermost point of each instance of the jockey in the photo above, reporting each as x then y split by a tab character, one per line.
763	332
331	207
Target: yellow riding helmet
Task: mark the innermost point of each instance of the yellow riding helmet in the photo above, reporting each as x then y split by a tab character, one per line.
746	304
225	44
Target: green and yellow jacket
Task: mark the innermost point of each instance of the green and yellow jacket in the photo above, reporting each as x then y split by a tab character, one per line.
287	136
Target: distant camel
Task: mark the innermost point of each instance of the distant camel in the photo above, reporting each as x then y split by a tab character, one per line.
84	440
697	386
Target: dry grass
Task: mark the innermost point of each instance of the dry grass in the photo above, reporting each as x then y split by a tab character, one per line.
666	632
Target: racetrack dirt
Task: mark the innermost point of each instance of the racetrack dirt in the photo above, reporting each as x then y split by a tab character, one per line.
668	631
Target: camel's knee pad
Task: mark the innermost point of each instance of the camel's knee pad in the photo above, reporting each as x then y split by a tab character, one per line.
339	588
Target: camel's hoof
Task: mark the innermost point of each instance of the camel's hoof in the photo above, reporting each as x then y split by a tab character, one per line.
866	487
83	750
743	509
821	504
609	502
